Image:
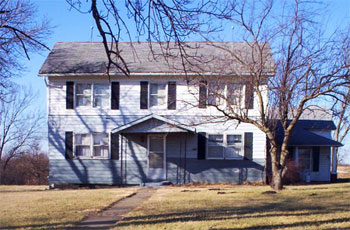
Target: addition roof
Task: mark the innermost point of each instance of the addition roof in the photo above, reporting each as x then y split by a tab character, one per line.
302	134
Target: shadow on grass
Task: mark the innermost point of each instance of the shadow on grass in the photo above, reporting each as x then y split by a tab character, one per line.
298	224
44	226
62	226
249	211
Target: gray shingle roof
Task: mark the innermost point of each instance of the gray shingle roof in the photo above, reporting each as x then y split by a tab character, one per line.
90	58
302	134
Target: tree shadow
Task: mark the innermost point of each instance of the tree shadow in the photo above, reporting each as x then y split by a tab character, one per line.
248	211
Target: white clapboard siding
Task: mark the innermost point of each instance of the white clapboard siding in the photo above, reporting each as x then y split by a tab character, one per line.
187	98
59	124
324	168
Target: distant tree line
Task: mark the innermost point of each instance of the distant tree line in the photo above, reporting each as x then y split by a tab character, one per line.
28	168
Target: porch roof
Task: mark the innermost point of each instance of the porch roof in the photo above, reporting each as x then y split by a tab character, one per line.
153	123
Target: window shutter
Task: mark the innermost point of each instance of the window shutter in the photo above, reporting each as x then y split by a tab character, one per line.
202	145
172	95
69	95
203	94
248	146
69	145
249	96
115	95
315	159
115	146
144	95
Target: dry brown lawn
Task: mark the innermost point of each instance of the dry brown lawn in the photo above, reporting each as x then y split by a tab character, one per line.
244	207
31	207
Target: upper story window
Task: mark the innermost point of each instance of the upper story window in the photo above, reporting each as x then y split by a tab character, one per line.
216	93
101	95
93	145
225	146
86	93
234	93
157	95
83	94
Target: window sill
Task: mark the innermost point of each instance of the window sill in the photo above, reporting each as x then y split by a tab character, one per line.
228	159
91	158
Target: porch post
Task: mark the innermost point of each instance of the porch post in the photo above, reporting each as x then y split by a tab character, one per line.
296	156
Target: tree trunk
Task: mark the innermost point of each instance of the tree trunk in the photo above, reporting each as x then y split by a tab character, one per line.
277	178
277	170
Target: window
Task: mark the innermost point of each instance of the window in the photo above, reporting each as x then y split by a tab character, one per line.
215	146
234	93
304	158
99	97
82	145
157	95
83	95
91	145
216	92
234	146
100	145
225	146
219	91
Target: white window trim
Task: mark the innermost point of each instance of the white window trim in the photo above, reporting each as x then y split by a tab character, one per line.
92	95
91	146
223	149
225	95
225	145
165	106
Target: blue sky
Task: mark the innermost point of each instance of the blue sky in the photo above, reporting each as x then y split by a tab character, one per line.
70	25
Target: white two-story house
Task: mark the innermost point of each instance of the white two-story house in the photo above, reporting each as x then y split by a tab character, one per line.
155	125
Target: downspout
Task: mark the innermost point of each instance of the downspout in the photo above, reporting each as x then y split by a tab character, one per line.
179	164
185	159
121	158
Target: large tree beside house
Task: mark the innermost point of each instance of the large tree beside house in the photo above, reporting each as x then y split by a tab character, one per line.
308	64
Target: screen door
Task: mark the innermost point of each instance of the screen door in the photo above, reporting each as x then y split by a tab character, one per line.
156	157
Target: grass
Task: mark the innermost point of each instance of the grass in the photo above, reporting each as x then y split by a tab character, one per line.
30	207
244	207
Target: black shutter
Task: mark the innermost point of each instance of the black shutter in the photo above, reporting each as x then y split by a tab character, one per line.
172	95
315	159
249	96
203	94
69	145
115	146
144	95
115	95
248	146
202	145
69	95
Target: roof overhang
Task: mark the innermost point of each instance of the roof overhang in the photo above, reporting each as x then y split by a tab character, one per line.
173	125
143	74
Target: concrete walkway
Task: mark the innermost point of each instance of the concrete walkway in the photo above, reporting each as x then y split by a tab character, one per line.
109	217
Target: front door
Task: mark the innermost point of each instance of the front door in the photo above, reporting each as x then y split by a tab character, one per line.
156	157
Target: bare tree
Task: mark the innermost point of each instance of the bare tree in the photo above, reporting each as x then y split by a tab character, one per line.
21	125
20	35
307	65
164	23
341	112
